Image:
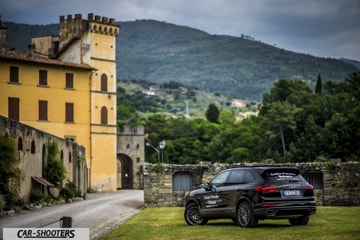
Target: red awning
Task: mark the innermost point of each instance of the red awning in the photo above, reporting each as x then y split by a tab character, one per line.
43	181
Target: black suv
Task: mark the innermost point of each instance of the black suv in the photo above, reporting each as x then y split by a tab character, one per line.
249	194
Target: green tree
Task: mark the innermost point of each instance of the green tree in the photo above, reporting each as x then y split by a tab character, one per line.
282	90
212	113
227	117
281	118
318	87
126	113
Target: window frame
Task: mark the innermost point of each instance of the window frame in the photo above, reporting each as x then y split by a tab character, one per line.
69	80
14	108
14	74
69	112
104	83
104	116
43	110
43	77
182	181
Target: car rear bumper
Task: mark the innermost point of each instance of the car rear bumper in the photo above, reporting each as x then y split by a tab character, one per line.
285	211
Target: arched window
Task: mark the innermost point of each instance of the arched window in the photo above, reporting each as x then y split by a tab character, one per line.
70	160
104	82
20	144
104	115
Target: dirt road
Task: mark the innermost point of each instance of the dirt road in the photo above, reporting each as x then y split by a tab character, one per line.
100	212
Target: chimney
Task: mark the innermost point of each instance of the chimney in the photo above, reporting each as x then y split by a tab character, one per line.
31	49
2	34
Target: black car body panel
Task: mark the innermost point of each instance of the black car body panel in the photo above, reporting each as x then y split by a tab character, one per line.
261	192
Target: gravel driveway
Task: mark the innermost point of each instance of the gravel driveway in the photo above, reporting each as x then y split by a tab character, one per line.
100	212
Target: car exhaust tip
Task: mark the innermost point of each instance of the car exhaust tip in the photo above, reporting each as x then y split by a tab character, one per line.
270	213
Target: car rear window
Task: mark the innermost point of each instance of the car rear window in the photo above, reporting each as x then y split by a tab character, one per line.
275	175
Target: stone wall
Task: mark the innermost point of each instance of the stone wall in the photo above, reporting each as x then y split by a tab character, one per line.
32	151
335	183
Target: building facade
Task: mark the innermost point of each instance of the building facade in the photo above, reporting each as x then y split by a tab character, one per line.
66	86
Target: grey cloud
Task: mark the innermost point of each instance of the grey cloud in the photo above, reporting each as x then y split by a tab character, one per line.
327	28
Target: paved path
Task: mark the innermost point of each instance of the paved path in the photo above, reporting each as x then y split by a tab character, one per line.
100	212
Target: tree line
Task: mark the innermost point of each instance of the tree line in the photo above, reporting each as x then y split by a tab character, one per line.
294	124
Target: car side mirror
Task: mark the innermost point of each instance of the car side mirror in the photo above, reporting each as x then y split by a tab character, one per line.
208	186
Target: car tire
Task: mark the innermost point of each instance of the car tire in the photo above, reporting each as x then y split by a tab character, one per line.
299	221
245	215
192	215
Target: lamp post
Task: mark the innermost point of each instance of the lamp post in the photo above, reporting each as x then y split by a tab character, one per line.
158	152
162	146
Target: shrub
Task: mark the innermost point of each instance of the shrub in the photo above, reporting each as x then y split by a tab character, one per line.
158	167
36	196
55	170
67	193
2	202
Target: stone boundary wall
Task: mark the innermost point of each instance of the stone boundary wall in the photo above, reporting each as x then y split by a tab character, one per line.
32	151
339	182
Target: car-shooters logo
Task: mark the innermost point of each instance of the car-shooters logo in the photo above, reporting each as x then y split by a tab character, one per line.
45	233
212	200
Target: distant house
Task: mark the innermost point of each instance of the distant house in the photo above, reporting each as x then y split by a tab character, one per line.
238	103
184	90
150	91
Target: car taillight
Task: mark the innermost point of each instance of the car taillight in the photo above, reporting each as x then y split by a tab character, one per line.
309	191
266	188
266	205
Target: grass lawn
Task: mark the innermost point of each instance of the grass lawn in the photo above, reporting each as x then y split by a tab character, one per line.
169	223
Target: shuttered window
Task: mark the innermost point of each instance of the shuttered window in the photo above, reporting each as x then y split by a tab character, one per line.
42	77
14	74
69	80
14	108
69	114
182	182
43	110
315	179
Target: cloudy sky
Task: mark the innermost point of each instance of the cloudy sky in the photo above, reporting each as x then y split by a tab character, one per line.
324	28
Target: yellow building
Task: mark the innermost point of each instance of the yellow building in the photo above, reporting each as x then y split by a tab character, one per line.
66	85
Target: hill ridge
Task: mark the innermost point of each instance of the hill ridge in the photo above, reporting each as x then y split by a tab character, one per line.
234	66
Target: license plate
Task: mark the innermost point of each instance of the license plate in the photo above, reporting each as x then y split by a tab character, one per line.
292	193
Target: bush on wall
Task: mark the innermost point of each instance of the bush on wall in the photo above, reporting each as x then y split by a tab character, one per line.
55	170
9	171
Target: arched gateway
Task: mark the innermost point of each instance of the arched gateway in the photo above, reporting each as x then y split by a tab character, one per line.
125	171
130	158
